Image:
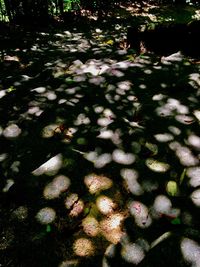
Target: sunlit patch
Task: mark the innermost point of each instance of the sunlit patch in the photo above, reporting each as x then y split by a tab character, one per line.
77	209
59	184
1	130
69	263
82	119
162	205
111	227
185	119
3	156
51	167
7	238
34	111
98	109
97	80
2	93
130	176
12	131
157	166
142	86
166	137
50	95
104	121
20	213
172	107
172	188
195	196
15	166
184	154
121	157
194	174
194	80
105	134
152	147
160	239
70	200
191	251
39	90
46	215
174	130
197	114
83	247
48	131
105	205
140	213
158	97
8	185
109	254
97	183
194	141
90	226
132	253
102	160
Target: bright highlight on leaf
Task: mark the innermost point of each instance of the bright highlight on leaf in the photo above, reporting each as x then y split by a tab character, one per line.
157	166
172	188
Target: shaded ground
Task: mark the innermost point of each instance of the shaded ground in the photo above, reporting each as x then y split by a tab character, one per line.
99	152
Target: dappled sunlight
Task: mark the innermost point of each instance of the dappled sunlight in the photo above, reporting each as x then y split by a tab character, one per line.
90	226
162	205
194	141
99	161
12	131
111	227
156	165
132	253
49	130
46	215
20	213
194	174
105	205
172	107
77	209
9	183
83	247
59	184
69	263
141	214
191	251
195	197
70	200
100	147
121	157
50	167
184	154
130	177
97	183
165	137
174	130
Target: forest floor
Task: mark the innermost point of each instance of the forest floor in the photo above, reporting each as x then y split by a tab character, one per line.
99	147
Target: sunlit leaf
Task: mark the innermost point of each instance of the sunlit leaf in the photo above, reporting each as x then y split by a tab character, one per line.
182	176
11	89
157	166
109	42
172	188
152	147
